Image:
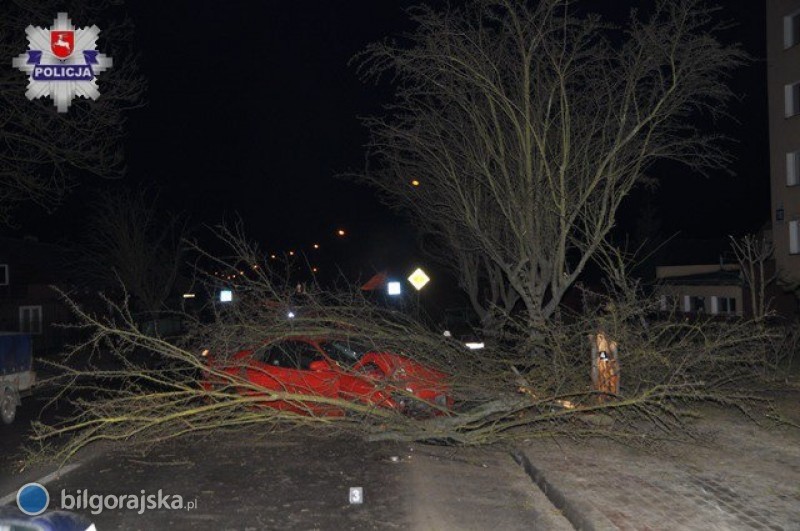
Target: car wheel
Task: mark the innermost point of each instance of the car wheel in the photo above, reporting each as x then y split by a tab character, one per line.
8	407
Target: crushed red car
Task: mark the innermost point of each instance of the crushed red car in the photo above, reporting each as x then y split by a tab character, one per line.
333	368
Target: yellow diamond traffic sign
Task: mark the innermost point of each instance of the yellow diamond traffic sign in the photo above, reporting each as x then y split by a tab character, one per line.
418	279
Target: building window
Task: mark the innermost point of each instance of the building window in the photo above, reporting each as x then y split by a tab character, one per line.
3	274
791	30
794	237
693	304
793	168
792	99
723	305
30	319
698	304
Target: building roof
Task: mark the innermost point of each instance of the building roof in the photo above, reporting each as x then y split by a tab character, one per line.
715	278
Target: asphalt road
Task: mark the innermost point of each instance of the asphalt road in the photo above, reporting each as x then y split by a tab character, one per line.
13	436
254	479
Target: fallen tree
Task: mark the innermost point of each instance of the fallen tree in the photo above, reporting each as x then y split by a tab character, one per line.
143	389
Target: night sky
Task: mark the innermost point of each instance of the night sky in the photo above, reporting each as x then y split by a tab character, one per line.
252	110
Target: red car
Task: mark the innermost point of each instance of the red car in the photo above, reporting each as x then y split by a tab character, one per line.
335	368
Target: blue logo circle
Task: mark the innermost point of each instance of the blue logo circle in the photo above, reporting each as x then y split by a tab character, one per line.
33	499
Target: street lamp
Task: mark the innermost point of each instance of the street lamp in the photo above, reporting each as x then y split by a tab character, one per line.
394	288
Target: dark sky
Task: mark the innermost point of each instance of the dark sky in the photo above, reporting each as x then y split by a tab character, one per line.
252	110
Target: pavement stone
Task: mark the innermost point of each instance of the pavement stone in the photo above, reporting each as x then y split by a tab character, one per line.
747	478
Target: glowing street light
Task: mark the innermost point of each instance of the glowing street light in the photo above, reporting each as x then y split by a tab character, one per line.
291	253
415	183
316	246
394	288
341	232
225	295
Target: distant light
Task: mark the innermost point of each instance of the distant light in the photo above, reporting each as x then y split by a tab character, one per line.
291	253
341	232
188	295
418	279
474	346
415	183
255	266
290	315
394	288
314	269
205	352
316	246
225	295
447	333
273	257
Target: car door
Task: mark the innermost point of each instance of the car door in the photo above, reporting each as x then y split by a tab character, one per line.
358	382
284	366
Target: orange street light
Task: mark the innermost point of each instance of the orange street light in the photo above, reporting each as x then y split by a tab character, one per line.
415	183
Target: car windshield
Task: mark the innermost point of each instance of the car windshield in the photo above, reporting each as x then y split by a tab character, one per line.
344	352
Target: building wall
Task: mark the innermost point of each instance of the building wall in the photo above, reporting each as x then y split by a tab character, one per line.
783	68
678	292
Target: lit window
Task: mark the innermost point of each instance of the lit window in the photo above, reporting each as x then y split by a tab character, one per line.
791	30
792	99
794	237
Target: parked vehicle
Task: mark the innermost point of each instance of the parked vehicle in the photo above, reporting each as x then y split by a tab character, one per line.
13	519
16	375
335	368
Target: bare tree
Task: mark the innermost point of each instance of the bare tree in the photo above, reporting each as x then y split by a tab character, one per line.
44	151
130	243
526	125
753	253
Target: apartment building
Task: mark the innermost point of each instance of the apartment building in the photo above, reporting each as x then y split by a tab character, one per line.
783	78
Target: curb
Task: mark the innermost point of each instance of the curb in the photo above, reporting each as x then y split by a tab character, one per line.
578	520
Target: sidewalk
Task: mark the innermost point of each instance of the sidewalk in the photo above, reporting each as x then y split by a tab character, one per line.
747	478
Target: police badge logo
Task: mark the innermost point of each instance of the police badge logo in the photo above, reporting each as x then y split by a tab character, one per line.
62	62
